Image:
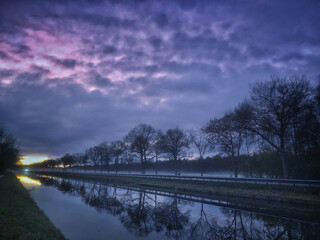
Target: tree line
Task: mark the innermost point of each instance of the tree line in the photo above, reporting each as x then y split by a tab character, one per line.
9	151
281	118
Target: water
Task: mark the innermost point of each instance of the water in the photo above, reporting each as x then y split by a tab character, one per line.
90	210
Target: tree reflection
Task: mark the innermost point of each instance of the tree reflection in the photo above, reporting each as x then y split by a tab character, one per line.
200	229
173	219
138	217
142	212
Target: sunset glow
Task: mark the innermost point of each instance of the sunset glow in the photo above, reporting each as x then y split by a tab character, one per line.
26	160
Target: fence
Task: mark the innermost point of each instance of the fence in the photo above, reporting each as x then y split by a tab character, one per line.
266	181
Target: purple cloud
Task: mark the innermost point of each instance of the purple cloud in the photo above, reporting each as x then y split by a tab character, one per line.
77	73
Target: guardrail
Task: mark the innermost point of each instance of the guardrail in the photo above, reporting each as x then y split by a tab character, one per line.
266	181
291	182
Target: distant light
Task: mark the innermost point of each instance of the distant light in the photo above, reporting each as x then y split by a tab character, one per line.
26	170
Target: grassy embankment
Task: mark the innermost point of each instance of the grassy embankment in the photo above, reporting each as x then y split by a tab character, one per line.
300	202
293	194
20	217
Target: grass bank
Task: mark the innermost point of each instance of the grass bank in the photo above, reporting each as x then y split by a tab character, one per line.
20	217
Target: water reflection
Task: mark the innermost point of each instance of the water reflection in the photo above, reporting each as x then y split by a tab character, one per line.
28	180
143	213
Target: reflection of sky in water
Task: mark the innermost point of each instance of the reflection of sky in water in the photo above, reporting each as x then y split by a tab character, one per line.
28	181
72	214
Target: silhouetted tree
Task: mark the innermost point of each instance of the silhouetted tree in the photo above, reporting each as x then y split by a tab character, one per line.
93	154
140	139
84	160
157	148
128	158
77	159
67	160
175	143
105	154
228	134
275	105
9	152
200	140
52	163
117	149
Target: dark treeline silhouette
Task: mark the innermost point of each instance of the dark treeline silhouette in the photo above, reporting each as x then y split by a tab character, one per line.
142	213
9	152
275	133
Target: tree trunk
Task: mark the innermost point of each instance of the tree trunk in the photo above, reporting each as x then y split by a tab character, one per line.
284	165
144	168
141	161
144	162
201	162
175	166
117	165
235	162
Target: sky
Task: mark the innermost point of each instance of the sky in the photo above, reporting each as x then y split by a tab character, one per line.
76	73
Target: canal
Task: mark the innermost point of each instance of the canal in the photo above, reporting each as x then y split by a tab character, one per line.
93	210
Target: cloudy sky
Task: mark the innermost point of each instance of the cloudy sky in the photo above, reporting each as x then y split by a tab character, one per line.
76	73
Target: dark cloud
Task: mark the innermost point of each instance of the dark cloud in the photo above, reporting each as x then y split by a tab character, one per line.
161	20
39	69
6	73
75	73
28	77
3	55
156	42
21	49
98	81
66	63
108	49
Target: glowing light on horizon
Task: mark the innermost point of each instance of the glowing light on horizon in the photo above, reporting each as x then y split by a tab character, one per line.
28	180
29	159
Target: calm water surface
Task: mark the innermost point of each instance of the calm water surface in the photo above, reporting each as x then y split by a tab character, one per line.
90	210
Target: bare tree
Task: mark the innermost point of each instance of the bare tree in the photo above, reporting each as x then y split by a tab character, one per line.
93	154
200	140
228	133
157	148
175	143
117	149
275	105
105	153
77	159
128	158
140	139
84	160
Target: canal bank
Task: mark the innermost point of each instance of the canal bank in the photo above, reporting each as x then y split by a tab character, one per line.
20	217
298	202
